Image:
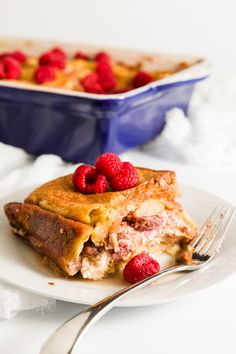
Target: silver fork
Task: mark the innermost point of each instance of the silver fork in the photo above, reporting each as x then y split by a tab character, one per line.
66	338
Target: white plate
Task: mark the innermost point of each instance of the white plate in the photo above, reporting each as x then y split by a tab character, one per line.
20	265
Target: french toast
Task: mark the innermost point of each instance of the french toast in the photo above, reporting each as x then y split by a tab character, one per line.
97	234
81	71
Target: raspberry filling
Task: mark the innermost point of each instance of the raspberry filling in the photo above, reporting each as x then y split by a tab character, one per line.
146	232
134	233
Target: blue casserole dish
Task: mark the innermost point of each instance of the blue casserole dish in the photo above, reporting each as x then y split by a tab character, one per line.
79	126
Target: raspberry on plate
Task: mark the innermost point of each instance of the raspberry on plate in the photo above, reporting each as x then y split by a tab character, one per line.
126	178
140	267
44	73
10	68
142	78
86	180
108	164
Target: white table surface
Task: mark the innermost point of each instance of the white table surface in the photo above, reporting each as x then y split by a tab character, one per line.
204	322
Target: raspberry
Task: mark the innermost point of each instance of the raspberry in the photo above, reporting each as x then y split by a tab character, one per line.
142	78
86	180
123	90
108	164
2	72
4	55
59	52
82	175
126	178
91	84
44	74
140	267
55	58
10	68
99	186
102	56
80	55
19	56
105	75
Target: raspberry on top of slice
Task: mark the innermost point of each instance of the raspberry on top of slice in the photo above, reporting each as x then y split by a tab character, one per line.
109	172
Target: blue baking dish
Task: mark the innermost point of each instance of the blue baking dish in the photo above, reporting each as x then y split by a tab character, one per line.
79	126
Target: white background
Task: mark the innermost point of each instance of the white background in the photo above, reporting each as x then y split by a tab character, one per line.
201	27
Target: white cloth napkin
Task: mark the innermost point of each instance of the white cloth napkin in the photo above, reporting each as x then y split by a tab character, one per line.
208	134
17	170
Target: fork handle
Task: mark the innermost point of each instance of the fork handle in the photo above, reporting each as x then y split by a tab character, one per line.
66	338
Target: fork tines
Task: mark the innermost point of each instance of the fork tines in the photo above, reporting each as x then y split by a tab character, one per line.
212	234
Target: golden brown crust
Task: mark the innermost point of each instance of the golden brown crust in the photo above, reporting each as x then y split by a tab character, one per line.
60	196
102	210
58	238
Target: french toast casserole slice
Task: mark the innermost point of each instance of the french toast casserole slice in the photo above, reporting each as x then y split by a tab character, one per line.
97	234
